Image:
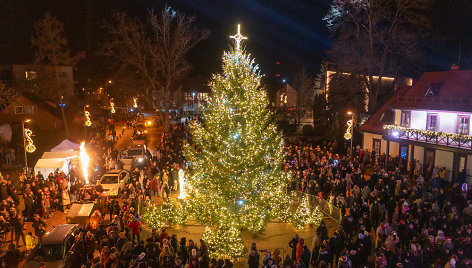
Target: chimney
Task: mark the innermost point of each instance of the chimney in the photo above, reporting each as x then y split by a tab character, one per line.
454	67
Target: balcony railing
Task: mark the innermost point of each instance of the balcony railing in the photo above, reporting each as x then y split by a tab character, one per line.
431	137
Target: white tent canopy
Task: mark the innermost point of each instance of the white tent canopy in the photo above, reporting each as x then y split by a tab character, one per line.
65	145
60	154
47	166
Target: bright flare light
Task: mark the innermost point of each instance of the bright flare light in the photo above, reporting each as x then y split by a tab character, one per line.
182	194
84	161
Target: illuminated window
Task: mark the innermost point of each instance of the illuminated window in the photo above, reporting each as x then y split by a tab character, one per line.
405	119
432	122
463	124
30	75
18	109
30	110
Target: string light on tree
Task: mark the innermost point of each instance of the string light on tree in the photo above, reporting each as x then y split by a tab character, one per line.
182	185
29	146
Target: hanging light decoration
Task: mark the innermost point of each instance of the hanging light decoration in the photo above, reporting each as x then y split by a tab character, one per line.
135	102
112	104
30	146
348	134
88	122
84	161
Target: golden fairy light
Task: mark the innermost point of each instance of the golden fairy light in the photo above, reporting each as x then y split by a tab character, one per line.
84	161
30	146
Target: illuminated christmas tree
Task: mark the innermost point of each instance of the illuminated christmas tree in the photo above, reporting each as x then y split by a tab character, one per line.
236	157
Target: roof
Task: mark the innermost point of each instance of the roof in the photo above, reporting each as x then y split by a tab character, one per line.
451	90
447	91
383	115
65	145
60	154
57	234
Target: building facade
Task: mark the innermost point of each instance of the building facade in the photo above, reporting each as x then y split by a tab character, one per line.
427	124
39	80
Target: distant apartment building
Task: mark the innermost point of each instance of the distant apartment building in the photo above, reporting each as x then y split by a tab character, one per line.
39	80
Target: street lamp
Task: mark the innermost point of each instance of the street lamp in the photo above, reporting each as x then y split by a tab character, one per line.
193	103
106	89
352	130
24	143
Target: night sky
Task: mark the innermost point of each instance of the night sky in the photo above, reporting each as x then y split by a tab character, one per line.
291	32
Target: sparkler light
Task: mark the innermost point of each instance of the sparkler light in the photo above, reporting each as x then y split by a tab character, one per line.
84	161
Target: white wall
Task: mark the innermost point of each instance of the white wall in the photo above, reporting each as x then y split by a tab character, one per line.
419	153
394	147
418	119
447	122
445	159
369	142
398	114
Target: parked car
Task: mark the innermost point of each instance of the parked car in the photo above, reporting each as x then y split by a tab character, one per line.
53	248
113	182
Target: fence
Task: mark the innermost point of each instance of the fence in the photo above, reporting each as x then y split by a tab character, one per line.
326	207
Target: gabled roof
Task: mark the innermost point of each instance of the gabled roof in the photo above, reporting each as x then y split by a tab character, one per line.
384	115
448	90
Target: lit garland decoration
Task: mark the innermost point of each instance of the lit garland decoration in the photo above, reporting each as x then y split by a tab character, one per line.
88	122
235	159
348	134
429	133
283	98
112	104
135	102
30	146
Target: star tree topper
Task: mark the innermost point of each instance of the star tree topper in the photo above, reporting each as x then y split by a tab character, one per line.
238	37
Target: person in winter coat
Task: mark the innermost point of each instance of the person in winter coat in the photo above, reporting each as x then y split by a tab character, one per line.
293	244
30	242
95	220
12	257
193	260
300	250
135	227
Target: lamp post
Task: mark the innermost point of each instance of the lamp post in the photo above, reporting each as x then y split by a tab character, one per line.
24	143
352	131
106	89
193	104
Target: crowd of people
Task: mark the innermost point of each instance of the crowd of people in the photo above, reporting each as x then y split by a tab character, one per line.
391	217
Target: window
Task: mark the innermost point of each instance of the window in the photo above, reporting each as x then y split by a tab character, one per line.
432	122
376	145
463	124
405	119
18	109
30	109
30	75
